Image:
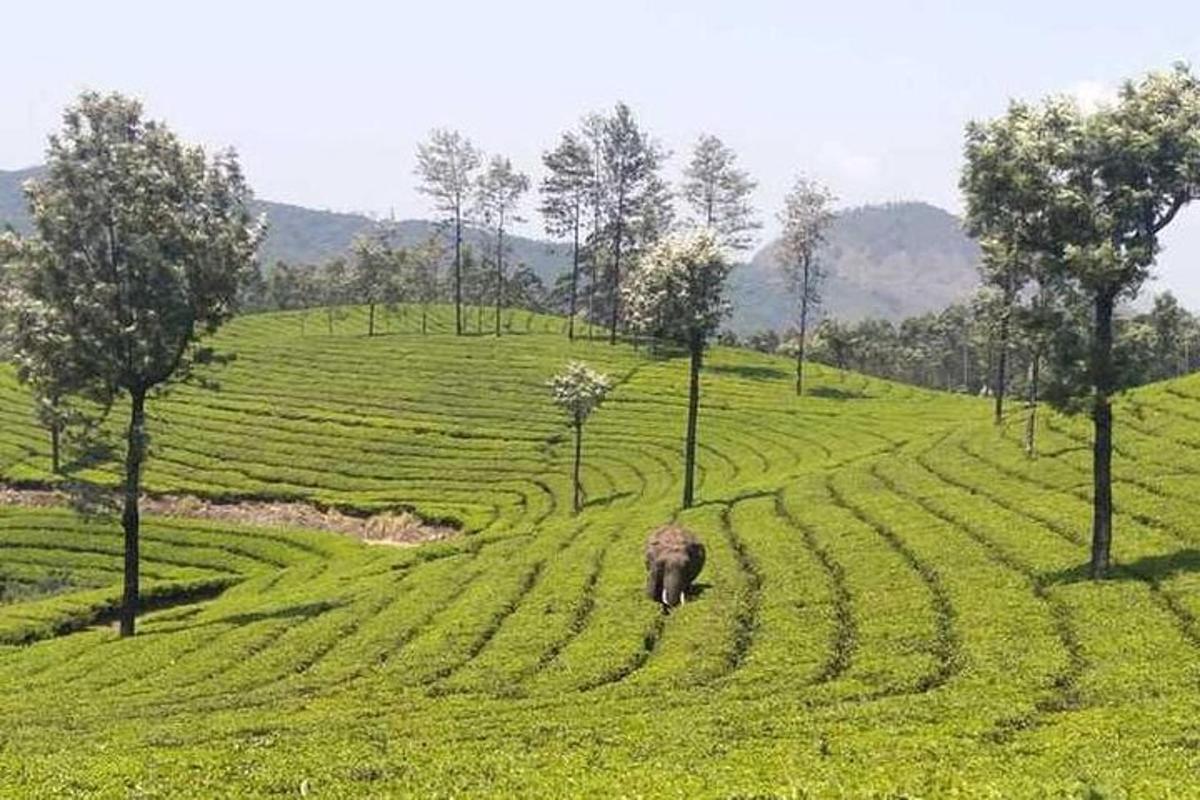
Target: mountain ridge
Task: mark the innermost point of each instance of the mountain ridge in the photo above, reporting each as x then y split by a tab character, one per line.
891	260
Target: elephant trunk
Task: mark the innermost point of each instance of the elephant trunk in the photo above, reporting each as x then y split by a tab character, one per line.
672	586
654	582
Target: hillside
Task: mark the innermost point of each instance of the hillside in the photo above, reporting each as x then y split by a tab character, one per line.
893	603
301	235
887	261
890	261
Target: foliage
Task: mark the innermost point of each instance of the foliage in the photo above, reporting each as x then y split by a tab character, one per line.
579	390
719	194
678	290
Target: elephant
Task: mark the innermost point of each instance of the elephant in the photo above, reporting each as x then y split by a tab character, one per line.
674	557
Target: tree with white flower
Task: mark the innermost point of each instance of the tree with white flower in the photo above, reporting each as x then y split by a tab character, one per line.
139	247
579	390
678	293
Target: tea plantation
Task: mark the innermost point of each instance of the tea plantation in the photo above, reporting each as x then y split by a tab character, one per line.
894	603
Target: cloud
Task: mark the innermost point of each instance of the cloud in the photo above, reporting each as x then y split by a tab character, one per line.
857	167
1092	95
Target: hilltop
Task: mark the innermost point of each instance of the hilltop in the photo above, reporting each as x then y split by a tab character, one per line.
300	235
888	261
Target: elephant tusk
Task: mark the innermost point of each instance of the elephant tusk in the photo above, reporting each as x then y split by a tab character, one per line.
664	597
683	598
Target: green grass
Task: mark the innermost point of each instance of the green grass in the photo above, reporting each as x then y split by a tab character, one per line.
893	604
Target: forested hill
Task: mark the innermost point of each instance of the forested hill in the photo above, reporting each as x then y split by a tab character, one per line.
890	261
306	235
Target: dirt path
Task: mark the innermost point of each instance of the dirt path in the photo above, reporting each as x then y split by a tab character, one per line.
393	528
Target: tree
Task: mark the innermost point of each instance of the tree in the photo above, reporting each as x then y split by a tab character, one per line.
140	244
375	279
498	192
678	292
446	165
333	281
423	275
719	194
566	190
1006	182
579	390
1107	183
636	204
806	218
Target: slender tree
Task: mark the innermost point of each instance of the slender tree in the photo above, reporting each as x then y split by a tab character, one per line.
637	208
579	390
498	195
806	218
447	166
566	191
423	275
719	194
678	292
334	282
374	279
140	244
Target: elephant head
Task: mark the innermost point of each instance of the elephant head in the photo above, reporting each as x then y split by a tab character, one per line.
674	557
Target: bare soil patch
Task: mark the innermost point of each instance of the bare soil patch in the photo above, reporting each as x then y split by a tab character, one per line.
390	528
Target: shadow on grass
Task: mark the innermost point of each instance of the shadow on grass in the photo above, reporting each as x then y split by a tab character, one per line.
758	373
1156	568
834	393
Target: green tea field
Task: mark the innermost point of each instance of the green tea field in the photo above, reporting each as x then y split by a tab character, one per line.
895	602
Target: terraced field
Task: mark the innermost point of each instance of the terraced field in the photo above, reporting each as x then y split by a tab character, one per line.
893	605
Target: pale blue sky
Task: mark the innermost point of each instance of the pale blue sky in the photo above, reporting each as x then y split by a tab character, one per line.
326	102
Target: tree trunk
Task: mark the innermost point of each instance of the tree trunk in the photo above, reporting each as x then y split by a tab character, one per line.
371	320
1102	384
574	279
1031	422
458	318
1001	368
800	347
329	318
134	454
575	473
55	442
424	316
696	346
499	274
616	279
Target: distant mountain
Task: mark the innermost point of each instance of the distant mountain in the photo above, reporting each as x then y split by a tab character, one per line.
889	261
303	235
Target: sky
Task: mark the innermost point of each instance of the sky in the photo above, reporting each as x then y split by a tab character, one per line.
326	102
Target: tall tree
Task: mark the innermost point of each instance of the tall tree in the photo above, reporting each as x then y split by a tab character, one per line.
498	194
806	218
1108	183
579	390
140	244
447	166
566	191
678	292
719	194
636	202
1004	210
